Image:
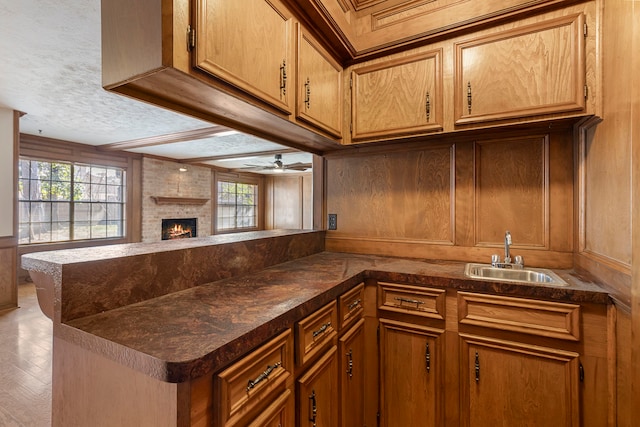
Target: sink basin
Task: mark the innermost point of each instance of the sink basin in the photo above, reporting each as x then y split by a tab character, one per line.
525	275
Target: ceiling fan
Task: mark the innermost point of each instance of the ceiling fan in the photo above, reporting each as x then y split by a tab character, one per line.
278	164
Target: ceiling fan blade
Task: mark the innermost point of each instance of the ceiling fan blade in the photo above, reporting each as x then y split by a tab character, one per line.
298	166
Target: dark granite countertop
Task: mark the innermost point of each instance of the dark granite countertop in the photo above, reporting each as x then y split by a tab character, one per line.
190	333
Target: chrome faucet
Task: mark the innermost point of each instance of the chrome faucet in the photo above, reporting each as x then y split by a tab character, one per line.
507	243
495	258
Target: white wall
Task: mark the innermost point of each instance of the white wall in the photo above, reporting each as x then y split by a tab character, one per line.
6	172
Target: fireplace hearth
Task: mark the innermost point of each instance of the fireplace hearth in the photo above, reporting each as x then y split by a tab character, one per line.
179	228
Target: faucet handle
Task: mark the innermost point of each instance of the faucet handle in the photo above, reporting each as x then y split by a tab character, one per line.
495	259
519	261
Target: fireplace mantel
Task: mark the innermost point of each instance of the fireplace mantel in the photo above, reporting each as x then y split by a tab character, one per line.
161	200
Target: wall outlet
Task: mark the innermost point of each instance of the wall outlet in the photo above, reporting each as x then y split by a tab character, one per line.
333	222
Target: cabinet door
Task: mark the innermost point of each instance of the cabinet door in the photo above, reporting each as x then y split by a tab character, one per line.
248	44
319	86
351	354
399	97
507	384
410	375
532	70
317	404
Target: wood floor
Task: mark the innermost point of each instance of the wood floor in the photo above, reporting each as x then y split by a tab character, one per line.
25	363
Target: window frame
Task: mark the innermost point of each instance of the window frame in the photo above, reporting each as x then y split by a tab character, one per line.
73	205
55	150
237	179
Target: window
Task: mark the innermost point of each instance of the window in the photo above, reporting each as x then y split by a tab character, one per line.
65	201
237	206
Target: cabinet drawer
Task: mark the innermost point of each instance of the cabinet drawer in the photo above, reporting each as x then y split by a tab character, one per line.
542	318
425	302
350	306
316	332
248	383
278	414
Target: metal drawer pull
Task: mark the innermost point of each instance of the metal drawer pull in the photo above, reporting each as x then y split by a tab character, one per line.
263	376
427	106
409	301
477	367
354	304
322	329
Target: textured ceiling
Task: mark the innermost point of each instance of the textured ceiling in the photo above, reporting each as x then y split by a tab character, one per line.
51	70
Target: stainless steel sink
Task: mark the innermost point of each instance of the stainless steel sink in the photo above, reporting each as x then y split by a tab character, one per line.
524	275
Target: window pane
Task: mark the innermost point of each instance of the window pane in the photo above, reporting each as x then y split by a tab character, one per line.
40	232
82	192
98	175
82	173
114	229
82	212
114	177
24	186
61	212
60	190
98	193
81	230
98	229
60	231
98	212
114	193
24	168
114	211
40	212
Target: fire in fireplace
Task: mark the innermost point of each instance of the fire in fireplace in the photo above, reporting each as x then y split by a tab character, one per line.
181	228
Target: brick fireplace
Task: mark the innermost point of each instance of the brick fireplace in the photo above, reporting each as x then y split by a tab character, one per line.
162	179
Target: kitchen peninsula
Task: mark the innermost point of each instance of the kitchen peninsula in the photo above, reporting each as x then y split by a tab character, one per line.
145	327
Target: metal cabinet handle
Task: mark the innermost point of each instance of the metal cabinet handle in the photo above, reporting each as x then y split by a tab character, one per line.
354	304
283	78
307	93
263	376
427	358
409	301
314	409
469	97
350	363
477	367
322	329
427	106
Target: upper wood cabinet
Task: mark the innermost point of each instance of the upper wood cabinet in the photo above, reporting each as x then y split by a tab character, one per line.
525	71
397	97
248	44
319	87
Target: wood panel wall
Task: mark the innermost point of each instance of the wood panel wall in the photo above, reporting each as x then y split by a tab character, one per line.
455	199
288	201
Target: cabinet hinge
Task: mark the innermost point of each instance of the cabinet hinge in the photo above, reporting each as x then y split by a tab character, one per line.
581	372
351	128
584	29
586	91
350	82
191	38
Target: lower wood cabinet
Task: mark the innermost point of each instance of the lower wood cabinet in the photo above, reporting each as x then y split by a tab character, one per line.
410	374
507	383
351	351
438	357
317	402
